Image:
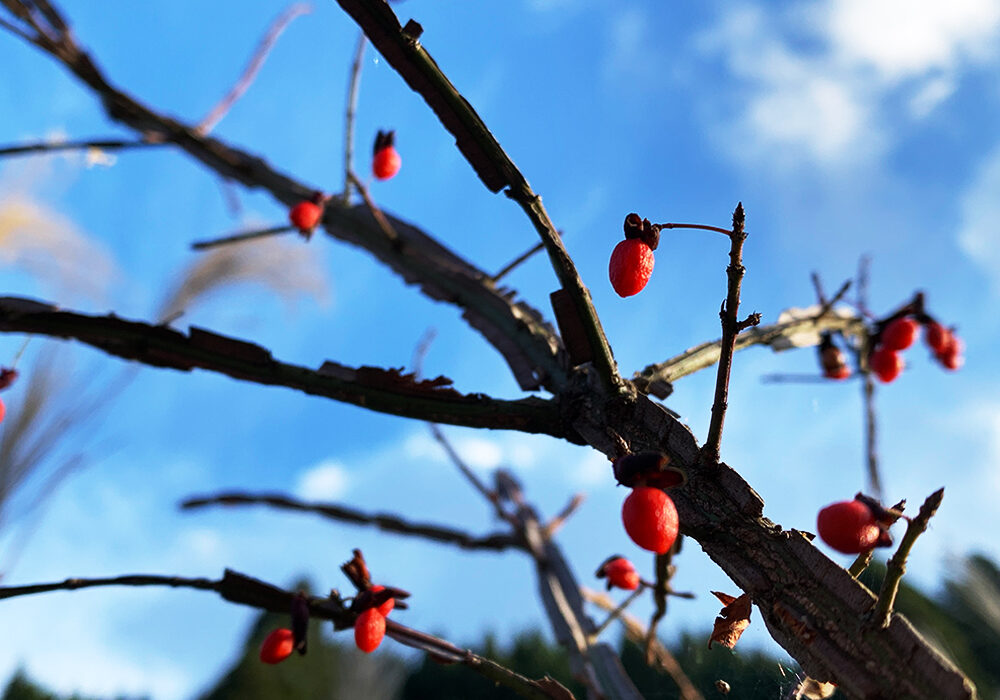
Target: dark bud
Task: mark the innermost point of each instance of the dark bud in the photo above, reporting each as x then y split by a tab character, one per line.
633	226
7	377
357	571
884	539
300	621
384	139
650	234
649	469
884	516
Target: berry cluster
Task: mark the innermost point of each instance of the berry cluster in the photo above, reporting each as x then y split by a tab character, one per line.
632	259
899	333
852	527
620	573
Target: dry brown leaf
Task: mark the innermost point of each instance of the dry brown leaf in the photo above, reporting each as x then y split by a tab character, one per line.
732	619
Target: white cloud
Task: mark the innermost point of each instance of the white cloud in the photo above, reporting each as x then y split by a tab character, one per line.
979	236
327	481
830	103
905	38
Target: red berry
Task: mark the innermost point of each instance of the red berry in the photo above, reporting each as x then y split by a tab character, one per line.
951	358
386	162
886	364
369	629
630	267
650	519
848	526
899	334
937	336
622	573
386	607
277	646
305	216
841	372
3	410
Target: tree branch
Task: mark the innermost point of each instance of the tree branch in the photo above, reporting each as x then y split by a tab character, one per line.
529	344
341	513
386	391
401	48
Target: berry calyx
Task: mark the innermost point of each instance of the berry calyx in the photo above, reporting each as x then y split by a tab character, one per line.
386	607
848	526
369	629
305	216
630	267
650	519
277	646
886	364
386	160
899	334
938	337
840	372
621	574
7	376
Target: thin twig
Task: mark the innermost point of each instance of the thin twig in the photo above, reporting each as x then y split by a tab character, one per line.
341	513
488	494
616	613
896	566
380	218
734	273
636	632
240	237
253	66
553	526
861	563
352	106
799	378
863	351
702	227
55	146
825	306
538	247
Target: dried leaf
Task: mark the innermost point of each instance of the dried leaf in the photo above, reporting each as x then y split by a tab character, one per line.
733	619
812	689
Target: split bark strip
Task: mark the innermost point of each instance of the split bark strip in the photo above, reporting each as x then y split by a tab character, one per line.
384	521
897	564
245	590
707	354
370	388
400	46
529	345
253	67
730	329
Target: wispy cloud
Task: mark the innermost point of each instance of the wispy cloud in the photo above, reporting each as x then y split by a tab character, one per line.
978	235
327	481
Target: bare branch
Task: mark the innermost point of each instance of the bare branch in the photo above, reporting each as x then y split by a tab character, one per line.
401	48
341	513
253	66
352	106
386	391
56	146
730	329
896	566
240	237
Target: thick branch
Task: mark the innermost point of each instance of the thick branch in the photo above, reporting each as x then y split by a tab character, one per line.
341	513
386	391
529	344
401	48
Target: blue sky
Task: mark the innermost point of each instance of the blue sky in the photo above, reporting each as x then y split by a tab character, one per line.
845	129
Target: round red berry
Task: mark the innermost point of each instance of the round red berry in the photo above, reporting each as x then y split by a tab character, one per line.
305	216
630	267
650	519
900	334
938	337
951	357
848	526
3	410
839	372
386	162
386	607
277	646
622	573
369	629
886	364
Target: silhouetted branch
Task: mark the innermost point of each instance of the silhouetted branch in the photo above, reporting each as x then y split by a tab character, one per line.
386	391
56	146
341	513
352	105
241	237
